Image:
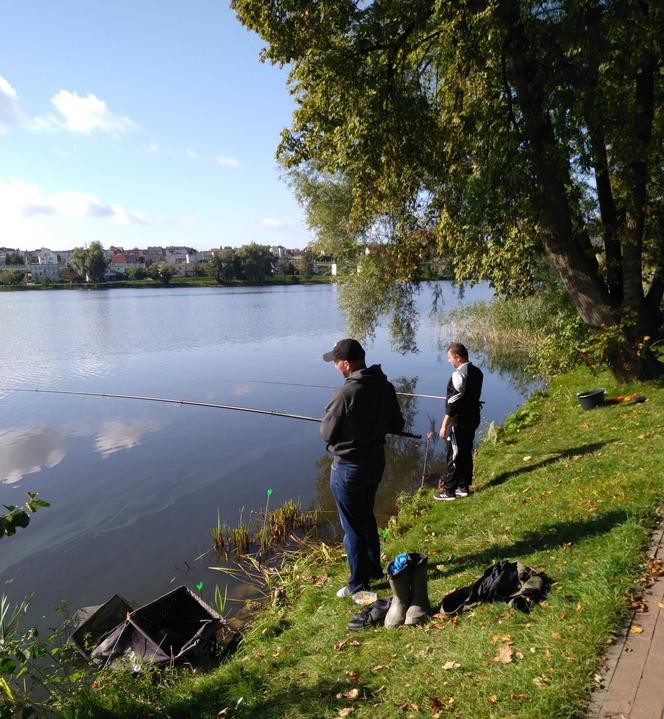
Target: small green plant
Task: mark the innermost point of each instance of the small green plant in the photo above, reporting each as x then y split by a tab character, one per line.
240	537
20	516
283	519
33	664
219	535
220	599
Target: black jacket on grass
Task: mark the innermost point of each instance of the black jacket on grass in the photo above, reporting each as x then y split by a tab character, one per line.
362	411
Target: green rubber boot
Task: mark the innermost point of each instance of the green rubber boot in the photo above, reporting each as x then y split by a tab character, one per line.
419	597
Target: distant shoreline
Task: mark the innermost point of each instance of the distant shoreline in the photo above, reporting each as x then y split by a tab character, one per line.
176	283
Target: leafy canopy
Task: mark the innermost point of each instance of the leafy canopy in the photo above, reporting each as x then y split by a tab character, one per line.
505	130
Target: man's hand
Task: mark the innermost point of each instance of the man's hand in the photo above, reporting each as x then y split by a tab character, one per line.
444	427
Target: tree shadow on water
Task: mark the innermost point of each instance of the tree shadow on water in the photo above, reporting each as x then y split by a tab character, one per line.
558	455
545	538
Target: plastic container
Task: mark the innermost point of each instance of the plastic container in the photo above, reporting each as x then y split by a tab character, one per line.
365	597
592	399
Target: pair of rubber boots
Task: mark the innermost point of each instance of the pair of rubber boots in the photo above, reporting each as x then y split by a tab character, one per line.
407	576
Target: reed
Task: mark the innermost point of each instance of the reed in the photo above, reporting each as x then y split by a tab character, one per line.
240	537
219	534
283	519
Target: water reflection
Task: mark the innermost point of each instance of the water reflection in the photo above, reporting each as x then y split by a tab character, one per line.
116	435
168	468
27	450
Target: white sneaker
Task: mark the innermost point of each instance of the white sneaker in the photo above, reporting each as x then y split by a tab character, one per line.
462	492
344	592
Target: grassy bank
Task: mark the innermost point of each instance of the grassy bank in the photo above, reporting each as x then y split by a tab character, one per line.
569	492
174	283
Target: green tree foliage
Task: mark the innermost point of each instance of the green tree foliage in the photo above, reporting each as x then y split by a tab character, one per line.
11	277
161	272
16	517
255	262
137	273
14	258
225	265
506	130
89	262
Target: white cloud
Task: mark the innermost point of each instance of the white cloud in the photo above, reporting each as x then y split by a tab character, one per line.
21	204
192	154
116	435
226	161
27	450
82	115
152	148
277	223
10	107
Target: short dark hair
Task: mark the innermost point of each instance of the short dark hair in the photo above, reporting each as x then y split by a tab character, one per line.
456	348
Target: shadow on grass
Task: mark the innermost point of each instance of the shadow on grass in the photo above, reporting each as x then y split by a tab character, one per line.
288	700
547	537
558	456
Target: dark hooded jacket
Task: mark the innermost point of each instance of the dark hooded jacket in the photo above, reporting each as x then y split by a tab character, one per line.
362	411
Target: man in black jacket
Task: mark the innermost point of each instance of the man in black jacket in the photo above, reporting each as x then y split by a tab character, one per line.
362	411
462	417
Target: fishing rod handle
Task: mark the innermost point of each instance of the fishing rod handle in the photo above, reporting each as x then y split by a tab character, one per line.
407	434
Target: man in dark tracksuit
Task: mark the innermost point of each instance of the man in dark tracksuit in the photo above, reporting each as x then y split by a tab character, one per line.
356	421
462	417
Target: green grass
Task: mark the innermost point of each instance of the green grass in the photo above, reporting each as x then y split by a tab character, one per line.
569	492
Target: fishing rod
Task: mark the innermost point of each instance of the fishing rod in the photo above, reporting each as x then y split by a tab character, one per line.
323	386
187	402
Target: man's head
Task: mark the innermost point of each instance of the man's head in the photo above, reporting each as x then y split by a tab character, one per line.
457	354
347	355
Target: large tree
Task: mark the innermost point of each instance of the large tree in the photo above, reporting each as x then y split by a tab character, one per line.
89	262
503	129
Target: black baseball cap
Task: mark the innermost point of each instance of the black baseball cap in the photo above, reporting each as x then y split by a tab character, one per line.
347	349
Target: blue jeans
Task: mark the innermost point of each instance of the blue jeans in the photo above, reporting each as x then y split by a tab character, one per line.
354	488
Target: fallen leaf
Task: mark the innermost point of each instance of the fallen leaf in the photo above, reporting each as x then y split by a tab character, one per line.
636	629
492	698
516	697
408	707
540	682
346	711
352	694
451	665
504	655
378	667
436	707
660	605
346	643
321	581
527	458
353	676
519	655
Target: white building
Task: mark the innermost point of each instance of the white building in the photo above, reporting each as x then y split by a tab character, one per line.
46	271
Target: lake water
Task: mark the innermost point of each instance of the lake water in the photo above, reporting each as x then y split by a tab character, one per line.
135	486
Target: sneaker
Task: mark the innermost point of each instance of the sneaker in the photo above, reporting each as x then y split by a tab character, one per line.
442	496
462	491
344	592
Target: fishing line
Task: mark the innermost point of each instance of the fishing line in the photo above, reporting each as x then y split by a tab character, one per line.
189	403
320	386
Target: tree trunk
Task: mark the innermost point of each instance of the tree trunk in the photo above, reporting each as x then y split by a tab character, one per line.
563	242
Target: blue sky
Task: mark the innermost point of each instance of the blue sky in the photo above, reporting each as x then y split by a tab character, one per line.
140	123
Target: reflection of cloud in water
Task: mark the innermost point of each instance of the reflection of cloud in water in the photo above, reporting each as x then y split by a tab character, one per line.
28	450
242	390
116	435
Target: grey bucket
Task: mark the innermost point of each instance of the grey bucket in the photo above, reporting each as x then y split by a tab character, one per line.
592	399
